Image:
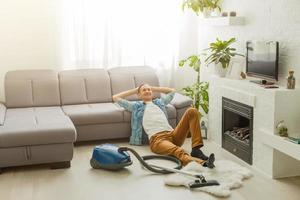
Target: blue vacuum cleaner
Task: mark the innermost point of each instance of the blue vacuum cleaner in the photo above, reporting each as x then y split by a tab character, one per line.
112	157
107	156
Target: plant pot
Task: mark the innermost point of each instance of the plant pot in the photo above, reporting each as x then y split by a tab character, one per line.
206	12
220	71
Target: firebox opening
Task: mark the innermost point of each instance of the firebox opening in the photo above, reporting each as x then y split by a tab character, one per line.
237	126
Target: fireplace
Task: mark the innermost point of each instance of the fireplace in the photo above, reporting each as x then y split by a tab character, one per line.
237	129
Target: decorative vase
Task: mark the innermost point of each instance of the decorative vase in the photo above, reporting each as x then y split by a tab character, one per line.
291	81
282	129
220	71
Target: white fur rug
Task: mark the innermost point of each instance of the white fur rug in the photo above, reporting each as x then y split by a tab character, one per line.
229	174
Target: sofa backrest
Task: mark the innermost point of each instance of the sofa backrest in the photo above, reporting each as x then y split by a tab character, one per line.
27	88
84	86
125	78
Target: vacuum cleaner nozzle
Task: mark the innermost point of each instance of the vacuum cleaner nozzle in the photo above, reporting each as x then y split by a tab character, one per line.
202	183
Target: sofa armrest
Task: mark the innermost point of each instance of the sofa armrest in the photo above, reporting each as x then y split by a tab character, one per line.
181	101
2	113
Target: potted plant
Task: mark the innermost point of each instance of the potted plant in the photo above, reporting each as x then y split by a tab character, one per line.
221	54
216	8
202	6
198	92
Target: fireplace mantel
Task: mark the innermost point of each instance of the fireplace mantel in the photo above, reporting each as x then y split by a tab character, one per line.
269	107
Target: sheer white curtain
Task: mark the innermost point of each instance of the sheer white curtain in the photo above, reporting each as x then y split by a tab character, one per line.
109	33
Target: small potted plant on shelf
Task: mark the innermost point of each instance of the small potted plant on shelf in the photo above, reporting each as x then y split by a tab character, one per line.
216	8
220	55
206	7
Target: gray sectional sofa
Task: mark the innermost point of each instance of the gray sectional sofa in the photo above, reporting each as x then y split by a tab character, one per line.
46	111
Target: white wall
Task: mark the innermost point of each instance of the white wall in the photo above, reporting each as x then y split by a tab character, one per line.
265	20
188	45
28	36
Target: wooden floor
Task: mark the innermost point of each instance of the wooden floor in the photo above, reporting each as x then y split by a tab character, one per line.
81	182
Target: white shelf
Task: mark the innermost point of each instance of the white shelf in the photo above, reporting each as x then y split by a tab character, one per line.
223	21
281	144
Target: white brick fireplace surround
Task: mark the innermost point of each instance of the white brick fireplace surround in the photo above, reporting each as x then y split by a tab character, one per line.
272	155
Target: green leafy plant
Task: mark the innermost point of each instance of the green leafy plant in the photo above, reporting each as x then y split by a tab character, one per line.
198	5
215	5
221	52
198	92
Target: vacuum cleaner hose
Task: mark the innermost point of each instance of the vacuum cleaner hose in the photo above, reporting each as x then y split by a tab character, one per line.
146	165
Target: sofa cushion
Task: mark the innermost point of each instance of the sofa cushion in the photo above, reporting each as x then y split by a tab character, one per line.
18	93
181	101
85	86
121	83
125	78
27	88
36	126
2	113
171	110
149	78
73	91
127	115
100	113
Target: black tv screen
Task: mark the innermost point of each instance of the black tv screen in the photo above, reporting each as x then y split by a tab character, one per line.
262	59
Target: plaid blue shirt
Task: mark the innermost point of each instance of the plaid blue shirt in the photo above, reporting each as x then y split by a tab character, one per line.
137	108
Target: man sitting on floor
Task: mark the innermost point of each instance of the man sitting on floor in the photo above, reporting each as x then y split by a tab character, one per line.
151	116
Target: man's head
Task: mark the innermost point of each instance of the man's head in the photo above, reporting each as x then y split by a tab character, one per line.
145	92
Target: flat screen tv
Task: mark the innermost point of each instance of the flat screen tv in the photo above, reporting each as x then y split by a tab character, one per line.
262	59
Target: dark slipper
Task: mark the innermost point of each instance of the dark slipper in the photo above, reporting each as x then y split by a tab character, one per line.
197	153
210	161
